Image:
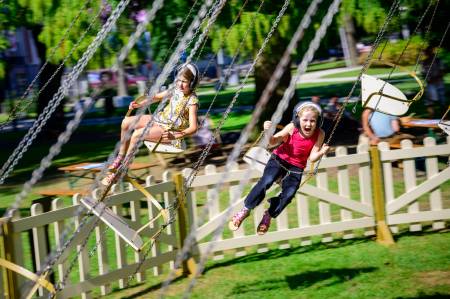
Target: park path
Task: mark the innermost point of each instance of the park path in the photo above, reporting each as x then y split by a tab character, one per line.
310	77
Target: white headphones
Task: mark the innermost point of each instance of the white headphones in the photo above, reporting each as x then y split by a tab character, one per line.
302	105
194	70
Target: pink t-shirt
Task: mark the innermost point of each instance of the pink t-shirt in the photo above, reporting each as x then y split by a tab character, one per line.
296	149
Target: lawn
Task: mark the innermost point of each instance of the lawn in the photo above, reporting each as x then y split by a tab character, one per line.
417	266
371	71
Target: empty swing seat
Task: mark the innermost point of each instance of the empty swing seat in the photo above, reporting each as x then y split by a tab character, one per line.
114	221
382	96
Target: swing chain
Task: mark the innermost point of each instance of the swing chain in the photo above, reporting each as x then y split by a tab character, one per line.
58	96
393	9
190	239
14	113
196	23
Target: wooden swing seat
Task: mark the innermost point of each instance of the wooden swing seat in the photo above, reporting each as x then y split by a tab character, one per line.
115	222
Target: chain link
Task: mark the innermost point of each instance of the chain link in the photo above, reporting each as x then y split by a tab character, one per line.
14	113
56	100
180	29
394	7
84	221
234	155
190	239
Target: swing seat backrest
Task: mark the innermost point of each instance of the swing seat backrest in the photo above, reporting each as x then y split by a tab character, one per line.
445	126
257	158
382	96
175	147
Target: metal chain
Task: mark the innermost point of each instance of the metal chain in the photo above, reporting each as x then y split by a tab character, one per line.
56	100
437	52
427	32
180	29
208	146
243	138
14	113
190	239
214	10
222	41
228	71
173	208
55	149
205	31
84	221
282	65
140	29
394	7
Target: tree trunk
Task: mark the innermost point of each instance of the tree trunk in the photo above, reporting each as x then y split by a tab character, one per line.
56	121
121	81
350	37
263	71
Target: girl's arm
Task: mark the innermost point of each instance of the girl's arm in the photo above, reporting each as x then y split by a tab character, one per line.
280	136
159	96
156	98
319	149
193	126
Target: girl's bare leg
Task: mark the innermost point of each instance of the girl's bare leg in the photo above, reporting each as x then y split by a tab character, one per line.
126	125
153	134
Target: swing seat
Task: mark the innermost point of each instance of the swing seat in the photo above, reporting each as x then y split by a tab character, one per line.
115	222
445	126
175	147
382	96
257	157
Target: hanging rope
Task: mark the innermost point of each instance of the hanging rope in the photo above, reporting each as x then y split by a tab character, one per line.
15	112
63	89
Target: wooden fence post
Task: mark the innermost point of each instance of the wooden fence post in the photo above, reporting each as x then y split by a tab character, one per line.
9	278
189	267
384	235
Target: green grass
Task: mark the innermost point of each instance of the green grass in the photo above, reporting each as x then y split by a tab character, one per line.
417	266
371	71
325	66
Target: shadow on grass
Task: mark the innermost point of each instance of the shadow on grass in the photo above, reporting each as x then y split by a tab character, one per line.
423	295
277	253
332	276
149	289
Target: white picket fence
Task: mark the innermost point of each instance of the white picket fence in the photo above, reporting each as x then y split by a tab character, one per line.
336	204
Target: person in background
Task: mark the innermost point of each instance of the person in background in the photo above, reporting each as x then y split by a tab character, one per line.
107	92
433	72
379	127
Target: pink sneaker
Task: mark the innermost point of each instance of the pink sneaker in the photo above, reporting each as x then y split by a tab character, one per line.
111	178
264	225
116	163
237	219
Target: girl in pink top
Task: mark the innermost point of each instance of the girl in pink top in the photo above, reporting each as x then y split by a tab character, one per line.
301	139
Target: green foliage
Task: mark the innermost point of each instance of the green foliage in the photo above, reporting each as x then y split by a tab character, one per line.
393	51
370	15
